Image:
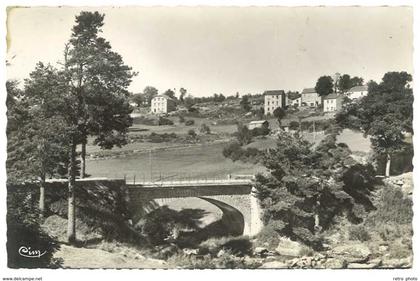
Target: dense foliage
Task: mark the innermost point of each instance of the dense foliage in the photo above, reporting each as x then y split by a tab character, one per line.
307	187
235	152
385	114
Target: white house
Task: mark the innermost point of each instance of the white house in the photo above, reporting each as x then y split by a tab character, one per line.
357	92
310	97
333	102
274	99
162	104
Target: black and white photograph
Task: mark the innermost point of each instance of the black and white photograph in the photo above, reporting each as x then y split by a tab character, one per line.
209	137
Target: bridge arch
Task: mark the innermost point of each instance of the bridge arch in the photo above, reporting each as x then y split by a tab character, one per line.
236	200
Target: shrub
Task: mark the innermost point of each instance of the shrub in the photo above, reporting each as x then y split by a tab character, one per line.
158	138
142	120
268	237
232	151
189	122
205	129
235	152
237	246
392	207
359	232
163	224
294	125
192	133
165	121
263	131
243	135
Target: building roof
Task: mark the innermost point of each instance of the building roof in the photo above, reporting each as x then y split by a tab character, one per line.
358	89
274	92
296	98
258	122
308	91
163	96
332	96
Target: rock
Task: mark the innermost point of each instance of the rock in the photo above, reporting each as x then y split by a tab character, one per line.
352	253
375	263
383	248
335	263
287	247
397	263
275	265
220	253
190	252
260	251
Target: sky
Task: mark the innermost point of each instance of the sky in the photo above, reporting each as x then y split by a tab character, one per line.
226	49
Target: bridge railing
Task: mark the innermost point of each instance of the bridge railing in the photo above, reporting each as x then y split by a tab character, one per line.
184	178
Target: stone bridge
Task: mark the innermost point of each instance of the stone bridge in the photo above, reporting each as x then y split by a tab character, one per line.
234	197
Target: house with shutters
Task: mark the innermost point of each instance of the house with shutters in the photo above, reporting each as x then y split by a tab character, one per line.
332	102
162	104
274	99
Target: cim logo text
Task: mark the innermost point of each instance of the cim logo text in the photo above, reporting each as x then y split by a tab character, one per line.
27	252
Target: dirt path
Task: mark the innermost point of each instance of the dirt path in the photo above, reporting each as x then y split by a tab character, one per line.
95	258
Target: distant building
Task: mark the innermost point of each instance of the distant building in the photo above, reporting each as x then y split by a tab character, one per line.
296	102
274	99
162	104
310	97
258	124
333	102
357	92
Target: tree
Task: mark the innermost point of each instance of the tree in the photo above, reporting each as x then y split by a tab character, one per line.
344	83
149	93
36	136
396	81
356	81
324	86
293	95
384	115
306	188
94	97
279	113
189	102
183	92
218	97
138	99
245	104
170	94
243	135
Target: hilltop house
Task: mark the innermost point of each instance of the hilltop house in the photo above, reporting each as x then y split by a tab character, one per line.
310	97
162	104
357	92
296	101
258	124
274	99
333	102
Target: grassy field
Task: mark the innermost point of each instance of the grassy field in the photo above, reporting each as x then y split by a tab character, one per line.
200	161
203	161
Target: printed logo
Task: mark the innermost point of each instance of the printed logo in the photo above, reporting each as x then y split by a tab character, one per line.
30	253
